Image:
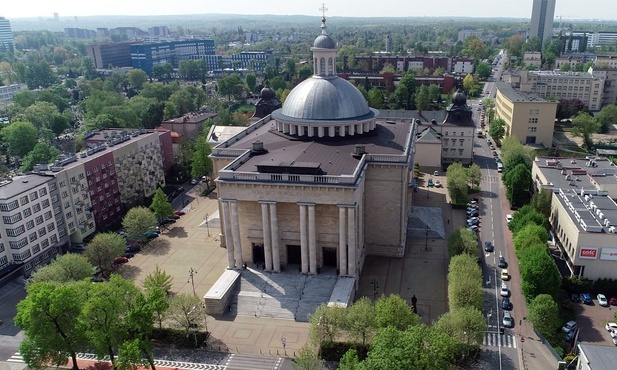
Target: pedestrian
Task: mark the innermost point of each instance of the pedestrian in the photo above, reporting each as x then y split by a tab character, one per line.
229	308
414	300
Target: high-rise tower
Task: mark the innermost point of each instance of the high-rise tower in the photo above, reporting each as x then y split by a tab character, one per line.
6	35
542	14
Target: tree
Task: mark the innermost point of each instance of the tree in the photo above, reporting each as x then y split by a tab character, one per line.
104	313
514	153
466	324
137	222
497	129
567	108
474	174
469	83
307	359
524	216
360	321
102	250
41	153
518	183
474	47
20	138
422	99
24	98
483	70
393	311
251	81
227	84
137	78
464	283
529	235
539	274
401	96
63	269
170	110
160	205
50	318
457	179
186	312
607	117
584	126
183	101
462	241
39	75
201	164
375	98
544	315
163	72
326	323
541	202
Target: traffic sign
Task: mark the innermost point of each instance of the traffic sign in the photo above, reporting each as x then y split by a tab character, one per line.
522	340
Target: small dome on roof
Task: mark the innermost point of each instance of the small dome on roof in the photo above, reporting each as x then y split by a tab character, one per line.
324	41
267	93
459	98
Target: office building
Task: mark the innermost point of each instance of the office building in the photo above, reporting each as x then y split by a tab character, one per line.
79	33
145	56
68	200
561	85
111	54
528	117
583	213
319	184
246	60
542	15
6	35
7	92
595	357
608	75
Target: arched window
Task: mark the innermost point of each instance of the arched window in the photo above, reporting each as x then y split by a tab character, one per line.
315	66
322	66
330	67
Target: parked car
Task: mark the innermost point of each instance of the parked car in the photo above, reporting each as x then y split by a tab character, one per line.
430	182
504	274
575	298
502	262
611	326
473	220
179	212
132	248
602	301
613	301
167	221
507	320
615	341
476	200
472	227
151	234
194	181
473	213
120	260
586	298
128	255
505	303
569	326
437	183
504	290
570	335
78	248
436	173
488	246
491	147
508	218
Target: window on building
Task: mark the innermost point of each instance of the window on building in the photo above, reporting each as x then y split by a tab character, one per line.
533	120
532	129
23	200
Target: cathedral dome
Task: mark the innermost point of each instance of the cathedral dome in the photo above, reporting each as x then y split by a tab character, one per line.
325	99
324	42
267	93
459	98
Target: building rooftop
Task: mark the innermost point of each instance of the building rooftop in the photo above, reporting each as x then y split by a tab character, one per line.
578	186
558	73
333	157
20	184
193	118
599	357
517	96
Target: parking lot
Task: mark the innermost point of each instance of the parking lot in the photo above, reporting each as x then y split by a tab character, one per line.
591	320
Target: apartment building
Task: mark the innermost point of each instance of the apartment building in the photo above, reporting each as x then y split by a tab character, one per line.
528	117
70	199
532	58
574	59
6	35
7	92
375	64
561	85
542	13
115	54
583	212
146	56
254	60
609	61
31	232
609	77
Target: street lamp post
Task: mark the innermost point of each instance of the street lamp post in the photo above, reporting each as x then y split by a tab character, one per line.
207	227
426	240
191	280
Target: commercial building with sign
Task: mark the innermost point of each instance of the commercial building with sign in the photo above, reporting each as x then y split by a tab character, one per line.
583	213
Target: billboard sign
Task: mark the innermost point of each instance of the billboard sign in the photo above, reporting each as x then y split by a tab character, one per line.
609	254
588	253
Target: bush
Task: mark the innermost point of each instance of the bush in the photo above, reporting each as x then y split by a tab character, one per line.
576	284
179	338
608	287
334	351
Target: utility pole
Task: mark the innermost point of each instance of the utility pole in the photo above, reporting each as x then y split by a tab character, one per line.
207	227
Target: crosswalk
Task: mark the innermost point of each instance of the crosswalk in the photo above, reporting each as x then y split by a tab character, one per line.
244	362
16	358
496	340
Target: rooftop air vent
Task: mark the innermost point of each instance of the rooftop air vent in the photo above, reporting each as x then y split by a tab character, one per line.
258	148
359	151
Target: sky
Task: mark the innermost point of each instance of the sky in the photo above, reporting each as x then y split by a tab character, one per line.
568	9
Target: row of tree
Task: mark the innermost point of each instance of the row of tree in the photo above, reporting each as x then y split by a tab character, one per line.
459	179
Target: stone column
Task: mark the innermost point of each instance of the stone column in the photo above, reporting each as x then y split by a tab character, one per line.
229	241
235	224
304	240
351	237
342	240
276	252
265	220
312	239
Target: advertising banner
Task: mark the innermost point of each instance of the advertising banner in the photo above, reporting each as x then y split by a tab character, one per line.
588	253
609	254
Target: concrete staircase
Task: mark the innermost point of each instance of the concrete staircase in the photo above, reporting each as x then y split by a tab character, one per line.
284	295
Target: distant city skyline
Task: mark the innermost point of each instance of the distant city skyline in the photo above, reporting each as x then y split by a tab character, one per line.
67	9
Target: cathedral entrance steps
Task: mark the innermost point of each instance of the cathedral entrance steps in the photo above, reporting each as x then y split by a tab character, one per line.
285	295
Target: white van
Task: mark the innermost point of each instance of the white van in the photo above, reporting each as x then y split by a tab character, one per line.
499	167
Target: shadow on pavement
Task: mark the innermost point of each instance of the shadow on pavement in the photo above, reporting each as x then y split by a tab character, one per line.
157	247
177	232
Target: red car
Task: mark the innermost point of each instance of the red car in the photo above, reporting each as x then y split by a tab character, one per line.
613	301
120	260
179	213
